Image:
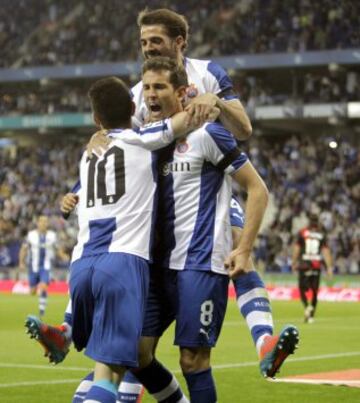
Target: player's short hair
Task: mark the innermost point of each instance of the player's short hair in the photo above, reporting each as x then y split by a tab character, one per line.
111	102
174	23
178	76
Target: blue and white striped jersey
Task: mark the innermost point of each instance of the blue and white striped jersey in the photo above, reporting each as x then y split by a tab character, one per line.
237	216
203	76
194	198
42	248
117	193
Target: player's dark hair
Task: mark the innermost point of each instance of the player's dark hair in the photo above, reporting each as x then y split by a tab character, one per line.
178	76
111	102
174	23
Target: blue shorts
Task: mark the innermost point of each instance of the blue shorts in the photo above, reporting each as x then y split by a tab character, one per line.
42	276
195	299
108	293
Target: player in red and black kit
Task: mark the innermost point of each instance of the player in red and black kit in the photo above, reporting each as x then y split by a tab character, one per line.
310	252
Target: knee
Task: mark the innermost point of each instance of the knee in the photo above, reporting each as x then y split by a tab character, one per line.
147	348
194	359
145	358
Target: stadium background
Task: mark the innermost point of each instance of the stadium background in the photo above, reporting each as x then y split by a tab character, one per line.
295	65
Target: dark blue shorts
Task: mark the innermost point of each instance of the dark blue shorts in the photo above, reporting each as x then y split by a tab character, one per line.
196	300
42	276
108	293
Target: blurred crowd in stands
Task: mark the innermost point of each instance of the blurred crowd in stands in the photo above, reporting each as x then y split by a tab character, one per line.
67	32
32	182
303	174
254	90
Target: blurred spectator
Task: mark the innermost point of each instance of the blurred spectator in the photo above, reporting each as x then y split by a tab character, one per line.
32	183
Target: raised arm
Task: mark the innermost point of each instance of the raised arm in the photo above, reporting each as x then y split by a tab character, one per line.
232	114
160	134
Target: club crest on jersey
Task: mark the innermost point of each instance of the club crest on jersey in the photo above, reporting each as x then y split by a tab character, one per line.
182	147
192	91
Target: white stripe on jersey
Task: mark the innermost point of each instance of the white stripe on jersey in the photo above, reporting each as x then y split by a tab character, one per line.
38	247
203	76
194	200
117	192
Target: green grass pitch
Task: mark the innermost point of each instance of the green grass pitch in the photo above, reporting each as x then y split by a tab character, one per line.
332	343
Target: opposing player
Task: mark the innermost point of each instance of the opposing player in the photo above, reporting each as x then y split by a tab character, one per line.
310	252
38	252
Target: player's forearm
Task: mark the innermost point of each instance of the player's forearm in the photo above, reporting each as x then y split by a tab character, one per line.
236	233
254	212
22	258
169	130
179	125
234	118
328	259
152	137
295	257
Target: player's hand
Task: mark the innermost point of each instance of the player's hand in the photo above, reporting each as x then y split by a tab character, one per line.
200	109
214	114
237	263
69	202
98	143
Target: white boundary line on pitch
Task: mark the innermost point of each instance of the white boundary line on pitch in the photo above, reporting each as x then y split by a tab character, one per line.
338	382
34	383
176	371
297	320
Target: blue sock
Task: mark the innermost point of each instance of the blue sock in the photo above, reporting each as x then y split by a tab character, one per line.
83	388
130	389
160	383
102	391
68	318
253	302
201	386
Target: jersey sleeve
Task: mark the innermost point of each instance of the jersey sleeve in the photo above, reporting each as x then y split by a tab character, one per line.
237	217
219	83
76	187
138	119
152	136
221	149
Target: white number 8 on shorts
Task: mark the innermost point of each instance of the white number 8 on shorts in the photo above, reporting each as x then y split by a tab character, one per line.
207	309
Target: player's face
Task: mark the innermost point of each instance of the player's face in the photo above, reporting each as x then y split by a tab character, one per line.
43	224
161	99
155	41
